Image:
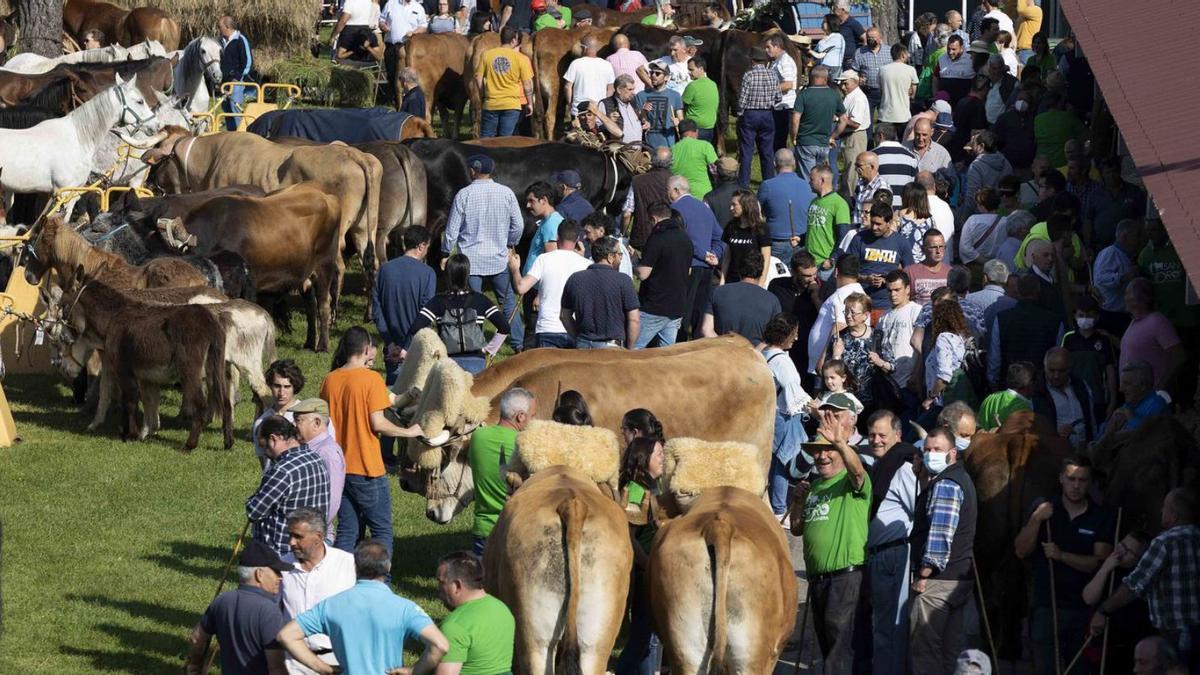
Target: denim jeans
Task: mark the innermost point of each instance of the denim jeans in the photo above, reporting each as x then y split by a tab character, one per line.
784	250
501	283
366	503
234	104
498	123
584	343
472	363
699	288
641	653
887	574
709	135
1072	630
665	328
555	340
777	486
809	156
783	125
756	129
657	139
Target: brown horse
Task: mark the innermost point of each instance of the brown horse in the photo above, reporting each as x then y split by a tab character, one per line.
18	89
60	249
122	26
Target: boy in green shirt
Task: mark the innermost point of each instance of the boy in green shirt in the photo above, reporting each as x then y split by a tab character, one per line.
490	448
700	99
691	158
480	628
828	216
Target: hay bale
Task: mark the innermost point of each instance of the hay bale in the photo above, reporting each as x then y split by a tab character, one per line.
445	403
542	444
276	28
323	83
693	465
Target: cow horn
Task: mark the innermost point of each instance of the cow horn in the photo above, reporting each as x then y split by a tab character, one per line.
437	441
921	433
143	145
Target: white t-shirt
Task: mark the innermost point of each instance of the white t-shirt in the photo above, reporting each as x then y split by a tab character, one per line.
403	18
975	227
896	328
359	11
1006	23
678	77
832	311
943	220
786	67
590	76
858	108
552	270
895	79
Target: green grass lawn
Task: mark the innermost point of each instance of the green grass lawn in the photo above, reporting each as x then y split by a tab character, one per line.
112	550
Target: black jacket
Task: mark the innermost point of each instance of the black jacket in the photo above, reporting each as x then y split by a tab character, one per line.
1043	404
236	60
1027	332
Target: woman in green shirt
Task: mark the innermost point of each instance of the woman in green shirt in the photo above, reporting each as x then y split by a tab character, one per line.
641	467
1042	57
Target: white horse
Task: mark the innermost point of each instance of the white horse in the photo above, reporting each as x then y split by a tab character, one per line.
197	72
28	63
128	168
59	152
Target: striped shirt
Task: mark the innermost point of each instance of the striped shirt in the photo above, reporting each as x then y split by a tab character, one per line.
296	478
484	221
760	89
897	167
945	504
868	63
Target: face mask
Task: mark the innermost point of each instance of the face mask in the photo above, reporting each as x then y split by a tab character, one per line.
1021	106
872	44
1085	322
936	462
961	443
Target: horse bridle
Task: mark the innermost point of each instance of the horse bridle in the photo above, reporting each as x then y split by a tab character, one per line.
139	121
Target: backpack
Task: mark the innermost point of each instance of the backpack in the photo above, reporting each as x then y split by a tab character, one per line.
460	329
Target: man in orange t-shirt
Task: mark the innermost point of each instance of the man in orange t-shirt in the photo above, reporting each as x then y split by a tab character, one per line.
357	398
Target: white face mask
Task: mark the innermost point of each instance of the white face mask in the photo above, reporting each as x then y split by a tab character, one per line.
936	462
1021	105
962	443
1085	322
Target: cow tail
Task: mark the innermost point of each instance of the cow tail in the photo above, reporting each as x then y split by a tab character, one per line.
572	514
218	388
718	537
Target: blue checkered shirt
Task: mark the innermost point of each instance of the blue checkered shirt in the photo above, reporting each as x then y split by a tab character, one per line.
296	478
760	89
484	221
868	63
1166	577
863	196
945	505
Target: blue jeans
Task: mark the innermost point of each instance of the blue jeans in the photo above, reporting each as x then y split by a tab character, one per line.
709	135
887	574
808	156
556	340
657	139
366	503
666	329
641	653
777	486
501	283
498	123
756	128
233	104
584	343
472	363
784	251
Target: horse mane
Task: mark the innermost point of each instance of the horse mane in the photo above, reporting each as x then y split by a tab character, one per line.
26	116
71	252
54	95
91	119
125	69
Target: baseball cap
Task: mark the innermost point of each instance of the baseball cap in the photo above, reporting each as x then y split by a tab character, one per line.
537	5
311	405
979	47
847	74
568	177
692	41
727	164
655	65
583	106
973	657
258	554
941	107
842	402
481	164
944	121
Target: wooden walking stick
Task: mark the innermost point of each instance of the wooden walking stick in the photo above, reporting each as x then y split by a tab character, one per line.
987	626
1111	581
237	546
1079	653
803	625
1053	605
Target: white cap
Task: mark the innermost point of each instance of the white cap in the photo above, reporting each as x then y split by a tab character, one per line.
847	74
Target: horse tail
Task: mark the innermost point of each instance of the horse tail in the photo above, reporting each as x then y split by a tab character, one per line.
168	34
218	387
718	537
571	513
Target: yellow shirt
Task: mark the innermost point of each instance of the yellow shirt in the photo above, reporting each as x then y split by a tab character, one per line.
503	71
1030	22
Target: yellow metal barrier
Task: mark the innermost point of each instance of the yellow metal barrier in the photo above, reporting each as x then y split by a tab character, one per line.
27	352
256	105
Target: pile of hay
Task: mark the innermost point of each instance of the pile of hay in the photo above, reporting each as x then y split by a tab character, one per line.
322	83
277	29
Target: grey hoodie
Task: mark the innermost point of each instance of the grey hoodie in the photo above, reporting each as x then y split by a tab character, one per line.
985	171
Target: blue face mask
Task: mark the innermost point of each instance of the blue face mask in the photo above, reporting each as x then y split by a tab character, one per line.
936	462
961	443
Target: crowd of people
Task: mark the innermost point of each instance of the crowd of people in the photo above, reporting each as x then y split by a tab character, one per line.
939	237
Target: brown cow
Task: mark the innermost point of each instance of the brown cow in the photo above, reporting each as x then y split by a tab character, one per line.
553	51
506	142
692	387
122	26
560	557
148	346
440	61
603	17
722	588
184	164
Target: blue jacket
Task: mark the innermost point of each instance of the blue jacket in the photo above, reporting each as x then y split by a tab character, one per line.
702	228
236	60
402	288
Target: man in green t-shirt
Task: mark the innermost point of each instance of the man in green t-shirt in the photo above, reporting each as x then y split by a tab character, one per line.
700	99
828	216
996	408
836	509
813	116
490	448
1053	128
692	159
554	16
480	628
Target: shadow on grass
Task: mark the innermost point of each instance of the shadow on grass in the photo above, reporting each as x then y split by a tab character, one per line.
140	651
181	554
415	558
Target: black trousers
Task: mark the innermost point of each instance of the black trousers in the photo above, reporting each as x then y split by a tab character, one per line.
834	600
699	288
391	65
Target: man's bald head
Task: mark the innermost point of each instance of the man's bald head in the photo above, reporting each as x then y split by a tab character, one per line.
923	124
926	180
662	157
1056	366
619	41
869	158
867	164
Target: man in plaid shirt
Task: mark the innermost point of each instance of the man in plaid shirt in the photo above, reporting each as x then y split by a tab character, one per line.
867	61
756	117
869	182
1166	577
295	477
